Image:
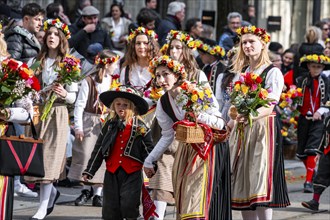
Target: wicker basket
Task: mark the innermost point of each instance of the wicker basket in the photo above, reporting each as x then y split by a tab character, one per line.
189	134
221	135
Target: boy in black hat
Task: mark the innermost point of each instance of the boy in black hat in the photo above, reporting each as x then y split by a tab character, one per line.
125	141
211	54
312	110
322	178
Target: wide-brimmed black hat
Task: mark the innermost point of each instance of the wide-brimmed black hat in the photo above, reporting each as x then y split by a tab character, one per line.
125	92
315	58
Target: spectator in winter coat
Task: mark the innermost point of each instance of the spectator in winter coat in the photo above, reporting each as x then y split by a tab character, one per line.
87	31
175	15
21	41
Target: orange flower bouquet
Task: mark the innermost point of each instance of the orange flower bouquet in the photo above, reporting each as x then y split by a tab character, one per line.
248	95
16	81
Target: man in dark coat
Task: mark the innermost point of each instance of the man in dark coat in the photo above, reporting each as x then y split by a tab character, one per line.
87	31
226	40
21	41
175	15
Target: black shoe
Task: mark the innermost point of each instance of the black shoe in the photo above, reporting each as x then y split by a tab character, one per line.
50	209
308	187
312	205
97	201
84	197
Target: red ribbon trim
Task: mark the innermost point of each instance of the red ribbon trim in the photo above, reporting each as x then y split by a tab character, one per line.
19	163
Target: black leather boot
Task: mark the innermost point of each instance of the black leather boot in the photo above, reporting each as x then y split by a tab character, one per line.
84	197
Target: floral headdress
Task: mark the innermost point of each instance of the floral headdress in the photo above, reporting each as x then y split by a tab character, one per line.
327	41
142	30
183	37
58	24
165	60
163	49
315	58
106	60
260	32
214	51
231	53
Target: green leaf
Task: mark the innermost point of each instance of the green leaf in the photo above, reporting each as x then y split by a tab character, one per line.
5	89
35	65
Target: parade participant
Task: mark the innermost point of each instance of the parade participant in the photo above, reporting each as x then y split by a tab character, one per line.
88	124
54	129
201	187
211	54
321	181
225	81
125	141
258	181
312	111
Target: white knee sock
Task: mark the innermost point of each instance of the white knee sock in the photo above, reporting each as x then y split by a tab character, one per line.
160	209
264	213
249	215
97	190
52	196
45	191
17	181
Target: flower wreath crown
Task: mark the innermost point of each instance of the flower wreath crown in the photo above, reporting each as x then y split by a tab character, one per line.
165	60
327	41
107	60
214	51
260	32
183	37
58	24
322	59
142	30
163	50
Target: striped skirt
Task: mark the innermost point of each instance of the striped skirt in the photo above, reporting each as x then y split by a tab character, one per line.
202	188
6	197
257	168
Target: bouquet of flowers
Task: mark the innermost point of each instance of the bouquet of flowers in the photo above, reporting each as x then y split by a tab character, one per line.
16	81
248	95
68	72
194	98
289	112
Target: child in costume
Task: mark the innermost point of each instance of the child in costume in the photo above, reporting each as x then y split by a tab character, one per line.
322	178
88	124
312	109
125	141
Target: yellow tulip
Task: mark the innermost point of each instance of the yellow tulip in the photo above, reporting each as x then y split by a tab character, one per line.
194	98
244	89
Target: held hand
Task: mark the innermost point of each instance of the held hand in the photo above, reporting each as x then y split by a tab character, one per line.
150	172
85	178
89	28
59	90
317	116
79	135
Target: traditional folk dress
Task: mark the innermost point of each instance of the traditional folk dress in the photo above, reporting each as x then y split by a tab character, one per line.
257	162
87	117
54	129
212	72
124	147
201	187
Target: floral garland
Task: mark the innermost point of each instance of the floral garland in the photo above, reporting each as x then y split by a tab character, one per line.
165	60
322	59
232	52
260	32
183	37
58	24
141	30
107	60
214	51
163	50
327	41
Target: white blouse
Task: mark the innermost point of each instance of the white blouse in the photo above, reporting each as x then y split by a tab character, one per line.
219	93
208	117
83	97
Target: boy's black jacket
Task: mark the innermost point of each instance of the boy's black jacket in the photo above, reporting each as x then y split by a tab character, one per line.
138	146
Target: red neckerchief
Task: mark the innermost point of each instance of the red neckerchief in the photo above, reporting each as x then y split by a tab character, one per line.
147	203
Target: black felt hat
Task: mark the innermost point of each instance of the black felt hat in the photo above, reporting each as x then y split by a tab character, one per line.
126	92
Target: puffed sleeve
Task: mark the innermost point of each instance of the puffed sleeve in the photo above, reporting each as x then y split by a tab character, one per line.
211	117
274	82
167	137
80	105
